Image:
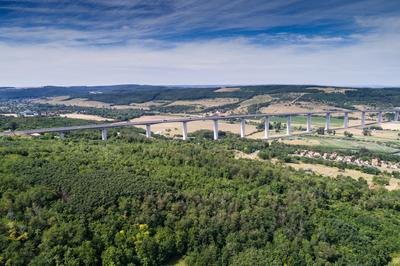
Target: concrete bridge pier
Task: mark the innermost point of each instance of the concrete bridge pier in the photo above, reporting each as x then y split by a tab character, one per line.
328	121
362	119
379	118
62	135
242	128
266	127
148	131
215	127
184	131
104	133
289	125
346	120
309	126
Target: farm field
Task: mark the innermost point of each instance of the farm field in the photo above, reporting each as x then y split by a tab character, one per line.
205	103
342	143
175	129
86	117
223	89
287	106
82	102
333	172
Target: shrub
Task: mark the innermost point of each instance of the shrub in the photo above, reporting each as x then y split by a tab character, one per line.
380	180
321	131
366	132
370	170
348	134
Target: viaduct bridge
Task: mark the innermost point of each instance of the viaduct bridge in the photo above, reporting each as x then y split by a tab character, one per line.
215	119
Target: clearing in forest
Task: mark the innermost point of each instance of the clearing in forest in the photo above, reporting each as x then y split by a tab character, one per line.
394	184
223	89
86	117
286	107
83	102
205	103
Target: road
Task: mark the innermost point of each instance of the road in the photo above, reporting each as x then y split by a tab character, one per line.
172	120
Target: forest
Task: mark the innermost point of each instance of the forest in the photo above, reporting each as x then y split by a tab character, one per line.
369	96
23	123
165	100
138	201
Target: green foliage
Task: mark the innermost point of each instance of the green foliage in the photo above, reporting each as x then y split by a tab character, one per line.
375	128
21	123
370	170
366	132
132	201
127	96
396	174
321	131
380	180
371	96
348	134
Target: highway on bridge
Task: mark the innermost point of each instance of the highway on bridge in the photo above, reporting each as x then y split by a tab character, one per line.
185	120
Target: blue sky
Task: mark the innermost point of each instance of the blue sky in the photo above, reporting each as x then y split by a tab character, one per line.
337	42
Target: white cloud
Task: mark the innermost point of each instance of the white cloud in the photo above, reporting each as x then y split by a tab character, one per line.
370	59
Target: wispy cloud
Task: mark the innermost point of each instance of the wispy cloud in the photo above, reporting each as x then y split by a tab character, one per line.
127	21
199	42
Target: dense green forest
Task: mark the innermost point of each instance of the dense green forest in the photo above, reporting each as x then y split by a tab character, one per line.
23	123
134	201
10	93
370	96
374	96
165	94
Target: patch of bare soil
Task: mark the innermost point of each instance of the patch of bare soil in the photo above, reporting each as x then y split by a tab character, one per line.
301	141
9	115
332	90
333	172
251	156
86	117
391	126
286	107
148	105
363	107
223	89
394	184
206	103
174	129
64	100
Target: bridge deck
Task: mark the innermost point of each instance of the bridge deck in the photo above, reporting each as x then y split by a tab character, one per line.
174	120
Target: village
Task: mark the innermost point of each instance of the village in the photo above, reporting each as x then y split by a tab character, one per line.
375	162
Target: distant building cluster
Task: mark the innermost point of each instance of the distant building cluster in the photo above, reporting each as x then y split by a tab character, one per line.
375	162
28	113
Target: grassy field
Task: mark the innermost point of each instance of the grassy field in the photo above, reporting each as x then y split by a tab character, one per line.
337	142
317	121
394	184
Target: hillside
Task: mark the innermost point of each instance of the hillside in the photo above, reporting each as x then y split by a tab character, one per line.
150	202
133	100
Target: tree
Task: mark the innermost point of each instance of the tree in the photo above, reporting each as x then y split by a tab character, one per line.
366	132
348	134
13	126
321	131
